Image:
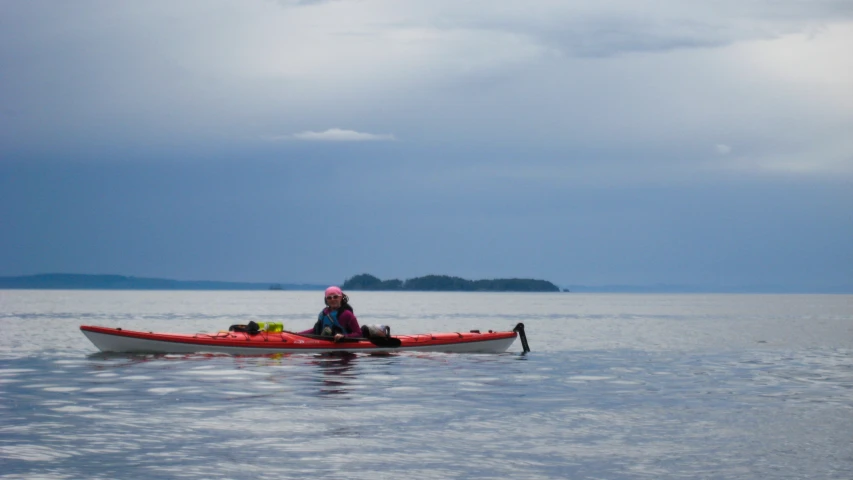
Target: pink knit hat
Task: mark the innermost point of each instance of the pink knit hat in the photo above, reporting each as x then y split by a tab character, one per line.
334	291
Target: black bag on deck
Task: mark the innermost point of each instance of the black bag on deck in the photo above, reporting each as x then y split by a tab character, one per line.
375	331
252	328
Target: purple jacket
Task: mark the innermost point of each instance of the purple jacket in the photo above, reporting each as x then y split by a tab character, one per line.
346	319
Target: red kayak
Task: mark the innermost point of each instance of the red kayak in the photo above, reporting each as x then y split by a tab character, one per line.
263	343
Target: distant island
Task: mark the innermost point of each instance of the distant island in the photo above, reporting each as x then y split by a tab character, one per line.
444	283
73	281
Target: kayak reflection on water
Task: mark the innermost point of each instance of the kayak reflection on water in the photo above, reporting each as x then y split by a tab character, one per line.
336	373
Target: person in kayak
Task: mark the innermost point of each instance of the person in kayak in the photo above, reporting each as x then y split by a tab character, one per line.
338	318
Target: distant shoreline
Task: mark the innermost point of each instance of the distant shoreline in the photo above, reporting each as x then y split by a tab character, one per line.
71	281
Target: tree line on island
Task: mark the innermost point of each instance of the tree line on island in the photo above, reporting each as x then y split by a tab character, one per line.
445	283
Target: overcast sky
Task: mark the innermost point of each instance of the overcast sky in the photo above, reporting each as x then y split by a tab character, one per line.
585	143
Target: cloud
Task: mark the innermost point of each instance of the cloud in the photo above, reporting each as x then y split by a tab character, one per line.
723	149
515	81
603	29
341	135
795	164
302	3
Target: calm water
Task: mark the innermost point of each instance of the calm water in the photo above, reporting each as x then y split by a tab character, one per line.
617	386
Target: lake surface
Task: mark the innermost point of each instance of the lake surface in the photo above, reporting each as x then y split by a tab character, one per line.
616	386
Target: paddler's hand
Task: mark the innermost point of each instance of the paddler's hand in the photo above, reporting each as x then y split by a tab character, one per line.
338	337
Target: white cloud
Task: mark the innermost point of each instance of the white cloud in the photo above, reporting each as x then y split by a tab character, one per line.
341	135
831	157
723	149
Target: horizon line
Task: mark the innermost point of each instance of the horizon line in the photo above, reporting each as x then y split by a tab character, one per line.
572	288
